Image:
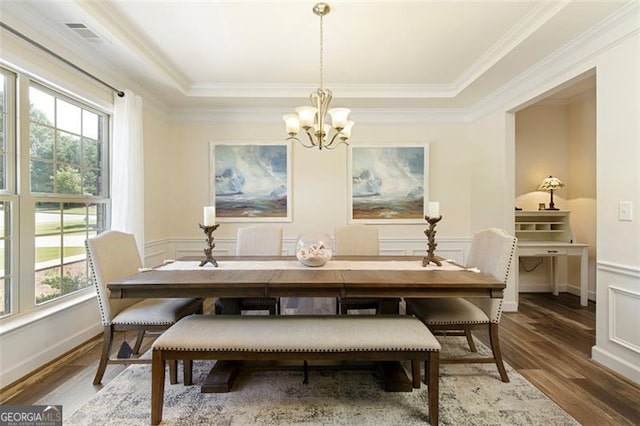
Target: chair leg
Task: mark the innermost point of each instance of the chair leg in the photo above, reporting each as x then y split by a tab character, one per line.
497	355
136	347
472	345
107	341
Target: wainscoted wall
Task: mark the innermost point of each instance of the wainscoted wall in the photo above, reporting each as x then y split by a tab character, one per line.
617	319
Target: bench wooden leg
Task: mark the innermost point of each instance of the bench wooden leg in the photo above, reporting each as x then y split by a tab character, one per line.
187	372
173	371
415	373
432	373
157	387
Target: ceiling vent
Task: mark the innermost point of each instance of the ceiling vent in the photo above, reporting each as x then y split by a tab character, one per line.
85	32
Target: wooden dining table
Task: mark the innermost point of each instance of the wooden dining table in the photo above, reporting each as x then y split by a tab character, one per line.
344	277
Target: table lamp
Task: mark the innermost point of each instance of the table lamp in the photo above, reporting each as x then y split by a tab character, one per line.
550	184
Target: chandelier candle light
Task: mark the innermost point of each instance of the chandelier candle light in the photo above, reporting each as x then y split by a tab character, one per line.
433	216
313	119
550	184
209	227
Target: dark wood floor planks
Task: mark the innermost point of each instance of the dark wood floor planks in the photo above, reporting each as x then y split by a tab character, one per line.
548	341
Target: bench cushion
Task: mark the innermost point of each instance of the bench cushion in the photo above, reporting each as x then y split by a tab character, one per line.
323	333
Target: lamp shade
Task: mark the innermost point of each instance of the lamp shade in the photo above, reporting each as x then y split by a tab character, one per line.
339	117
292	123
550	184
306	115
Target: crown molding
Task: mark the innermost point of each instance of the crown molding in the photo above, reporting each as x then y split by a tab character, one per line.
533	21
382	91
116	25
364	115
575	58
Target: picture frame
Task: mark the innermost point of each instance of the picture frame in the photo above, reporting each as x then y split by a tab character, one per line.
541	206
388	183
250	181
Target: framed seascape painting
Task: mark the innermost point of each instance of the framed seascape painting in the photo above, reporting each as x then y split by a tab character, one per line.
251	182
388	184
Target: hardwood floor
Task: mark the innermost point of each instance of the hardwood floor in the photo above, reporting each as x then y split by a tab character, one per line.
548	341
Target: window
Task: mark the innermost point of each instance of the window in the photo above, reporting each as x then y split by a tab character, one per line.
8	197
67	178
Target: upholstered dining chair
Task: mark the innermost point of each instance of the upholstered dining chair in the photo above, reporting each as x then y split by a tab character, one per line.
492	251
357	240
113	255
254	240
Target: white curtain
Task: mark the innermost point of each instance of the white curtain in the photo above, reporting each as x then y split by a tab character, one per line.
127	168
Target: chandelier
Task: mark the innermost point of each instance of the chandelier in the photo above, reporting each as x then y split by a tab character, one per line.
313	119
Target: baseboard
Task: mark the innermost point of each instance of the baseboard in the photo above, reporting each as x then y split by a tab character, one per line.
510	306
617	364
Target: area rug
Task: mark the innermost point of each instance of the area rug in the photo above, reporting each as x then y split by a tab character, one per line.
470	394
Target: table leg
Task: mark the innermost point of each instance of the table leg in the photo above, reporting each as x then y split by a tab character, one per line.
395	378
221	377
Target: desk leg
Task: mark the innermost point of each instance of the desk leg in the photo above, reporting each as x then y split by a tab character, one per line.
554	272
584	281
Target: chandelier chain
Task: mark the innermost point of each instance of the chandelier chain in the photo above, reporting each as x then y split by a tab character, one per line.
321	53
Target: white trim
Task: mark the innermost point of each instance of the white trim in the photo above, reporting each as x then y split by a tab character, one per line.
619	269
614	294
14	322
621	366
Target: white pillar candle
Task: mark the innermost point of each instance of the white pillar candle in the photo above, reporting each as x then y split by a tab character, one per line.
209	216
433	209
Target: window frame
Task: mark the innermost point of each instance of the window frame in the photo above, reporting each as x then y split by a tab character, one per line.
24	308
9	196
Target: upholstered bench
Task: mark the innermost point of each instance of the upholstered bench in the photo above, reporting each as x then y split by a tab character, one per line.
273	338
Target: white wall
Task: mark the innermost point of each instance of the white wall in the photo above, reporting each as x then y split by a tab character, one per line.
618	179
320	178
615	56
492	185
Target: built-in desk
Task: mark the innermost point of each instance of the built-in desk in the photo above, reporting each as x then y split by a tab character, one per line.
553	249
547	233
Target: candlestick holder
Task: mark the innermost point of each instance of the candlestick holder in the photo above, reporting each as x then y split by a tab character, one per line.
431	237
208	250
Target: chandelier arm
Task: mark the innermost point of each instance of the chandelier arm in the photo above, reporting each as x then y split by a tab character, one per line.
332	147
295	138
312	143
341	140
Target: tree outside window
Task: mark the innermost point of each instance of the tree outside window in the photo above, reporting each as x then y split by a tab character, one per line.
67	172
